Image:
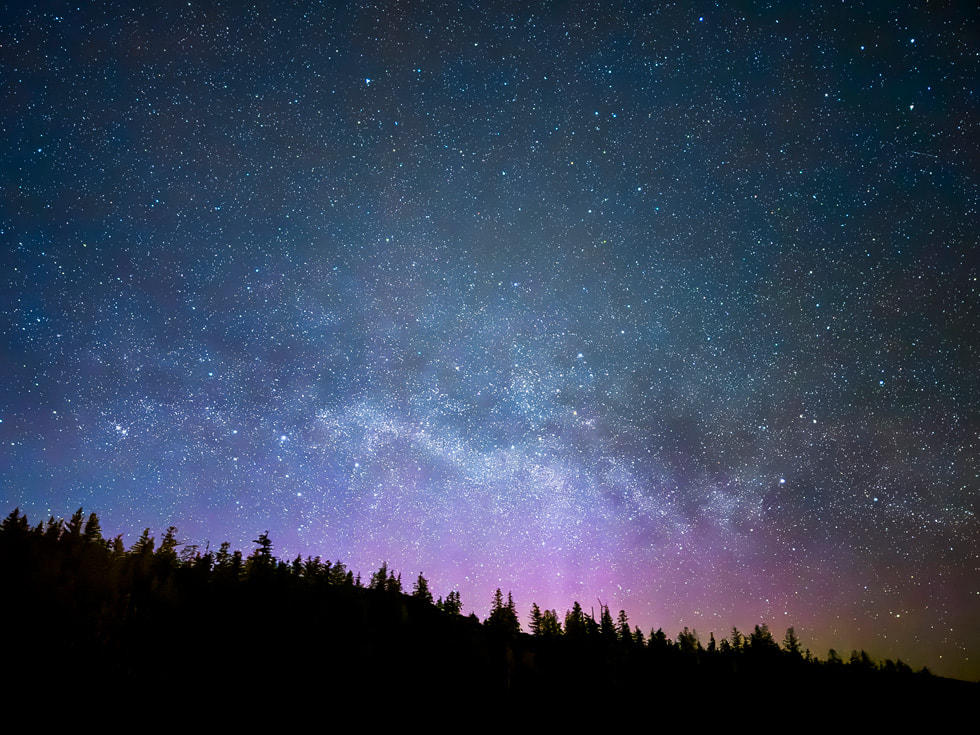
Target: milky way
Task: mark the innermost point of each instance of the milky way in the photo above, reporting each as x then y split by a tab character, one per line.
670	309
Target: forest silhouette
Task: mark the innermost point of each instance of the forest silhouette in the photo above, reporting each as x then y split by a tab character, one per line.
84	616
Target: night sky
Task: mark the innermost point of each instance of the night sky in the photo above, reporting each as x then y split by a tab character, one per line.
668	306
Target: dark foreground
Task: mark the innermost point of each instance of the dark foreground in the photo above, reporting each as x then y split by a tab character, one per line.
144	633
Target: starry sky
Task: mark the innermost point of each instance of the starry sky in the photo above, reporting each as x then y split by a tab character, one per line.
666	306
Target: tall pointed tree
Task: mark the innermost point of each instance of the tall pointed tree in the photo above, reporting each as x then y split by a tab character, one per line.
791	643
575	622
144	544
93	530
421	590
379	580
452	604
261	562
623	623
503	615
535	619
606	626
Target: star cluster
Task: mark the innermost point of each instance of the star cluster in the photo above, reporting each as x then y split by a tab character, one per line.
666	307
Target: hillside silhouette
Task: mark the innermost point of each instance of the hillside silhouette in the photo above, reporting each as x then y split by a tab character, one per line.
88	619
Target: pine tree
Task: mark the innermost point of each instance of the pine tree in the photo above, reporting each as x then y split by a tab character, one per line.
421	590
74	526
168	546
116	546
223	557
737	640
394	583
761	640
264	550
659	640
144	545
337	574
791	644
625	634
498	602
545	623
575	622
93	530
688	641
452	604
379	580
639	637
591	626
15	523
56	526
313	568
503	616
237	565
535	619
261	562
511	607
606	627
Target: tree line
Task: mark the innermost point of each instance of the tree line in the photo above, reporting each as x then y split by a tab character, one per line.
159	609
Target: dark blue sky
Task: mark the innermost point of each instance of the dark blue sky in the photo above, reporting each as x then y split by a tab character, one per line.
672	308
